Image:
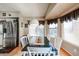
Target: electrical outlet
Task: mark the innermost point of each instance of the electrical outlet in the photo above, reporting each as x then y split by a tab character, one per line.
75	50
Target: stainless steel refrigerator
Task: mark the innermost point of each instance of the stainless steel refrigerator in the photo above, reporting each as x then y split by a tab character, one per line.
9	33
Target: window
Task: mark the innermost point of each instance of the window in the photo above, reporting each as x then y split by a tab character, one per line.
52	30
71	31
40	30
68	26
36	32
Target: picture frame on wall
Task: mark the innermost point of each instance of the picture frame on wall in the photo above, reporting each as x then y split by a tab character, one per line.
3	14
26	25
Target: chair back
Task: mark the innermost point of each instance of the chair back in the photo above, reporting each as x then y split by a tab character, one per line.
58	43
24	41
52	41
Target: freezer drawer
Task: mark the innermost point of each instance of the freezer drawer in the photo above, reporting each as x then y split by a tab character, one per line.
10	42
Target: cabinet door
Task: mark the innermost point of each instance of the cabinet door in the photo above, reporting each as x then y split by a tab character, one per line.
1	37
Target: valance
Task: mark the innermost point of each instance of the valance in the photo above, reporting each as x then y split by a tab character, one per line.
52	21
70	16
41	22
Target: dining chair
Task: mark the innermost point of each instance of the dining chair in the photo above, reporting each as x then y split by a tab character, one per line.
24	41
57	44
52	41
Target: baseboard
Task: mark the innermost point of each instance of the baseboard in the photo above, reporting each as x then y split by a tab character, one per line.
67	52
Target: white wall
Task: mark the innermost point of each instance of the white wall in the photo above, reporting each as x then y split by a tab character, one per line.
22	29
46	28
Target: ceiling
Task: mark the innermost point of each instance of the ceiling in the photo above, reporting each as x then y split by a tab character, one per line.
47	10
26	9
61	9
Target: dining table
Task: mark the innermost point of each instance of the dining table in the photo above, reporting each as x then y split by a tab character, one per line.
39	50
46	49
